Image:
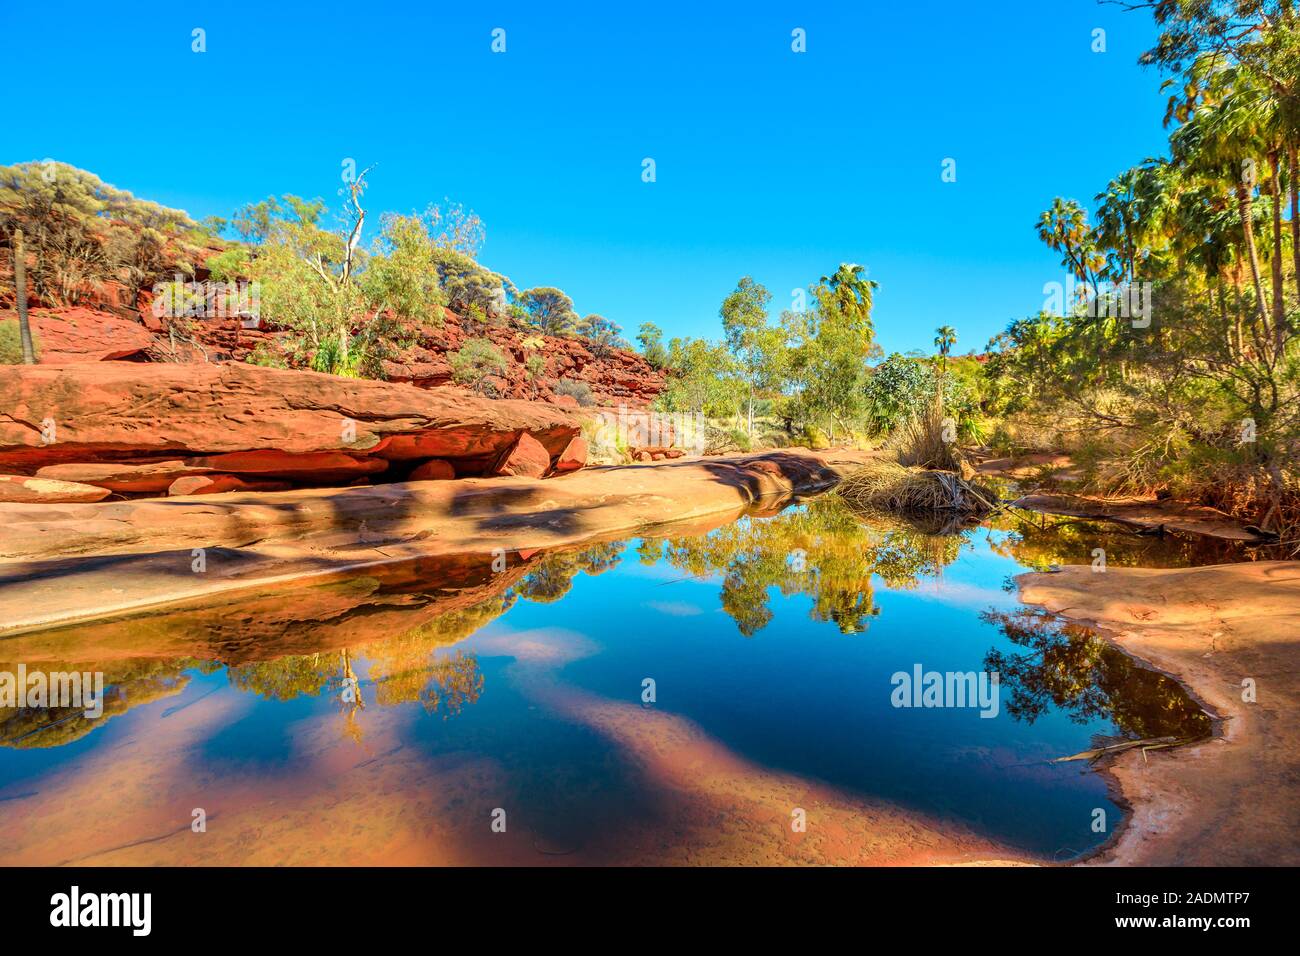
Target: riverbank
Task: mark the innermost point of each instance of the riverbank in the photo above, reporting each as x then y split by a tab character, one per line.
64	563
1231	634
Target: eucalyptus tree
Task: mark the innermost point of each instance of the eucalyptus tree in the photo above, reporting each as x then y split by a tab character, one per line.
758	348
549	310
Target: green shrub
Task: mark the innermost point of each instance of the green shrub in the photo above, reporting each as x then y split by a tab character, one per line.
579	391
475	363
11	344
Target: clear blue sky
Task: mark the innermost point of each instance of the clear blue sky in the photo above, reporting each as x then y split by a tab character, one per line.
769	163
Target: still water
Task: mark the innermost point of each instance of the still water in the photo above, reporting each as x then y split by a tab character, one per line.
712	696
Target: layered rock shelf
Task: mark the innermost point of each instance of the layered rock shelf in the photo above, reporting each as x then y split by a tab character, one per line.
86	431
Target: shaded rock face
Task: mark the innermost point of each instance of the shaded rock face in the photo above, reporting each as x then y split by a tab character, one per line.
138	428
433	470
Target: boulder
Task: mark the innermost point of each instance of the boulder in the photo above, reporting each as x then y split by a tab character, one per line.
527	458
23	489
128	412
433	470
573	457
219	484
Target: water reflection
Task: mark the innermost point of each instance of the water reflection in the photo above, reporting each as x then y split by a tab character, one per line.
530	676
823	550
1069	668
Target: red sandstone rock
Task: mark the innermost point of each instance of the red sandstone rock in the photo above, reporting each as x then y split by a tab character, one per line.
574	456
84	335
119	411
317	467
217	484
433	470
565	401
615	377
527	459
122	476
24	489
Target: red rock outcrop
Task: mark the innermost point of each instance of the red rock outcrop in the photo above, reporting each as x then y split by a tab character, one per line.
615	376
252	421
122	476
84	335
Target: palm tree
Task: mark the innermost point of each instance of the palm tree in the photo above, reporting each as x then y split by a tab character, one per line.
1220	141
851	293
1133	208
1064	228
944	339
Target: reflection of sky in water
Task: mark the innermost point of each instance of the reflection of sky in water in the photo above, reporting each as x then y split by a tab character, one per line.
799	698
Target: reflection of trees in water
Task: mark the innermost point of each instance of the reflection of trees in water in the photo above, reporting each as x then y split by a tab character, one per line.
823	551
554	574
1040	541
403	669
1069	667
127	684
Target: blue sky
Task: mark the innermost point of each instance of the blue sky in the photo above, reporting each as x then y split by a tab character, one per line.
769	163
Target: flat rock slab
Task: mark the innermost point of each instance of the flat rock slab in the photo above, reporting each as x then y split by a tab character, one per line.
27	490
55	561
1232	800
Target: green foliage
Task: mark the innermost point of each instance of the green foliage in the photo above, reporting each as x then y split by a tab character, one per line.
830	348
701	379
11	345
758	349
579	391
1165	403
549	310
80	231
601	334
902	389
535	370
651	338
474	364
403	276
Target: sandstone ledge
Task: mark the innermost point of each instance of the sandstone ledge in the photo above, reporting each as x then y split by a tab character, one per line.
63	563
